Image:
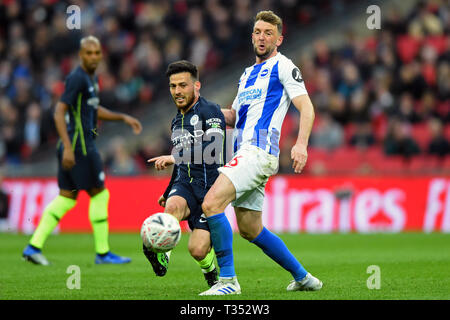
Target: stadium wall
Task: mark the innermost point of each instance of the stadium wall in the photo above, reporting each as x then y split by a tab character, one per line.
293	204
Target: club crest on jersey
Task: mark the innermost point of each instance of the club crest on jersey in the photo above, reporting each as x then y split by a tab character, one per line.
264	73
194	120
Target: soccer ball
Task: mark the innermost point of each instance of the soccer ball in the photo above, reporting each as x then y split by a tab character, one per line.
161	232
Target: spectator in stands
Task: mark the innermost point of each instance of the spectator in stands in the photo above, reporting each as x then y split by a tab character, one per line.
406	110
32	127
324	90
443	85
351	80
338	108
11	131
359	110
399	140
438	145
427	106
328	134
363	136
410	80
120	161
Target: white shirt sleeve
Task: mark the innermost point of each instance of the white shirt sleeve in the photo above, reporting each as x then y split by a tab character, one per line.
291	79
235	104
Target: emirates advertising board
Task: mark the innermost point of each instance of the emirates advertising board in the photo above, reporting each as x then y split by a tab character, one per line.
292	204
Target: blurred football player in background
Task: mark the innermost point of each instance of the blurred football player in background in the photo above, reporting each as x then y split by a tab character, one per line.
79	164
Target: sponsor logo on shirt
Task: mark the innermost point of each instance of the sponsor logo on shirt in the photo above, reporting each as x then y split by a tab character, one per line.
248	95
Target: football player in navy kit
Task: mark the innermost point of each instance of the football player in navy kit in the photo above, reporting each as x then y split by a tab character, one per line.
79	163
198	137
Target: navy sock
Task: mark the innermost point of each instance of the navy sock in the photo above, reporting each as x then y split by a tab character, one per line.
222	240
276	249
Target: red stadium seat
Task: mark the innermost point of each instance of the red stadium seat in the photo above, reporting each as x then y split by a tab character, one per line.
418	164
447	131
446	165
421	134
408	48
372	154
317	159
317	154
345	160
388	164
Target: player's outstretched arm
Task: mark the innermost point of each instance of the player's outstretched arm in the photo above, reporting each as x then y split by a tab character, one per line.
162	162
299	154
68	158
105	114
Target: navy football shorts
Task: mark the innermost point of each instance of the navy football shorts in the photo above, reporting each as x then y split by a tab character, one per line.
194	195
85	175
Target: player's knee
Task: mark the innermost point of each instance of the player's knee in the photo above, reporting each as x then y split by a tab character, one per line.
172	207
210	208
246	235
198	252
248	232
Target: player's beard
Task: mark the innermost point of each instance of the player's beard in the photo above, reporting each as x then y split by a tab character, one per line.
265	54
90	67
189	102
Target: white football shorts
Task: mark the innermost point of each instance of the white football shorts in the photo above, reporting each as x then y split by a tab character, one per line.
249	171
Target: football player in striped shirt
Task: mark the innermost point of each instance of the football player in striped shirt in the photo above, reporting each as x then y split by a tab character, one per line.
265	91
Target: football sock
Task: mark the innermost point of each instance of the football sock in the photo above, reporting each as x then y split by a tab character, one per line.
207	264
276	249
54	211
222	240
98	215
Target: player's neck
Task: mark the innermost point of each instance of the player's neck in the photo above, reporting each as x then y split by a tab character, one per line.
90	73
261	60
184	111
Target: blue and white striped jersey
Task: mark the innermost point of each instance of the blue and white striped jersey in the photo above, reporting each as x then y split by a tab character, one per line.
265	92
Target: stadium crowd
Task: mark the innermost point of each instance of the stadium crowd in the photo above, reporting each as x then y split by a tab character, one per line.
387	94
381	100
139	39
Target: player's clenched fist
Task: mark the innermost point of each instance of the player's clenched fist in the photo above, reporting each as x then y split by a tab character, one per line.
162	162
162	201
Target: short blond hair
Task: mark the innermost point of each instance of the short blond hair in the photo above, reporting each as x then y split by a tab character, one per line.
270	17
89	39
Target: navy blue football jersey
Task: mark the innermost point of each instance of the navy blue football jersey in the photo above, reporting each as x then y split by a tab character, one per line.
81	95
198	139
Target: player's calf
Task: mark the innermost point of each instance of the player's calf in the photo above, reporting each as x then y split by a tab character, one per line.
205	260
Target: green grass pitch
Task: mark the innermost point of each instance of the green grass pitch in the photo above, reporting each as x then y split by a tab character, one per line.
412	266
